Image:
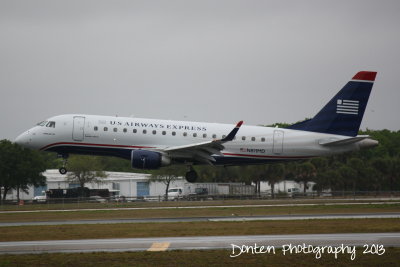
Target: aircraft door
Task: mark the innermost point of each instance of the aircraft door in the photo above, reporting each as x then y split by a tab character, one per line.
278	142
78	128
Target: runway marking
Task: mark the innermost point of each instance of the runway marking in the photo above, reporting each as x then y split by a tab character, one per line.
159	246
196	243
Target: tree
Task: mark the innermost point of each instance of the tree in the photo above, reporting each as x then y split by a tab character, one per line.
305	172
85	169
167	175
19	168
274	173
29	170
358	166
389	169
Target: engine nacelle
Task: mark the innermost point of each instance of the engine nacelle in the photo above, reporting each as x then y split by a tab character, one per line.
144	159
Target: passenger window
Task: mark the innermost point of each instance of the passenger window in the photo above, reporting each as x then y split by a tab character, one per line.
262	139
125	130
253	139
243	138
144	131
134	131
164	132
154	131
96	128
214	136
173	133
115	129
194	134
185	134
105	129
204	135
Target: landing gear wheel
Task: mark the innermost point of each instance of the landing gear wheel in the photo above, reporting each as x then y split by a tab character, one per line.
191	176
62	170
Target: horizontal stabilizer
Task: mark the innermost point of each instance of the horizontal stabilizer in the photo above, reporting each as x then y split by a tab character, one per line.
342	142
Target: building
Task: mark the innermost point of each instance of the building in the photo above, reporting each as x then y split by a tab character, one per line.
133	185
118	183
286	186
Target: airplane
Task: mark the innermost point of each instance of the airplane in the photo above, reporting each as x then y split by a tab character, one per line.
152	143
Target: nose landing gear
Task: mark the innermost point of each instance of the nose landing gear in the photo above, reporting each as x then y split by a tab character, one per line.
63	170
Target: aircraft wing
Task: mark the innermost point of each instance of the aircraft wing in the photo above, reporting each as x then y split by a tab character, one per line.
201	152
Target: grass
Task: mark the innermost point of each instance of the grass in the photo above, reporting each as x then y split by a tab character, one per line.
198	258
65	232
197	212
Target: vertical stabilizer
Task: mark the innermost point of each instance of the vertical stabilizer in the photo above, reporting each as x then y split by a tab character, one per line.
344	112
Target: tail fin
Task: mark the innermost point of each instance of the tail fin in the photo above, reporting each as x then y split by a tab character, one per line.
344	112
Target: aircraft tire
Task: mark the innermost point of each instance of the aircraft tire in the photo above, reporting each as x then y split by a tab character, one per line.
62	170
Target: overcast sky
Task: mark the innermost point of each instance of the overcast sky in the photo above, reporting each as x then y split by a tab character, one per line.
215	61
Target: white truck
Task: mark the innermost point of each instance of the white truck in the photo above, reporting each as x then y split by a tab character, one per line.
175	193
40	199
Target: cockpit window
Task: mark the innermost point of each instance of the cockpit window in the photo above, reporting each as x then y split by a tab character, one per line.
51	124
43	123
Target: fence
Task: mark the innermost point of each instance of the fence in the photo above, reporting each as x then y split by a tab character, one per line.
98	202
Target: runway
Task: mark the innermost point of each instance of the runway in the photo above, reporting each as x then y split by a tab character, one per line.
210	206
198	243
213	219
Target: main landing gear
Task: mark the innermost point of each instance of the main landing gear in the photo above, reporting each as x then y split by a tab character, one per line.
191	175
63	170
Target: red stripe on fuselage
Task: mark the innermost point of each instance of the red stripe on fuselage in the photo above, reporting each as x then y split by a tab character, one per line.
92	145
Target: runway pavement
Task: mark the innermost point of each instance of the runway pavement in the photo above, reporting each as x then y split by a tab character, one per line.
213	219
208	207
201	242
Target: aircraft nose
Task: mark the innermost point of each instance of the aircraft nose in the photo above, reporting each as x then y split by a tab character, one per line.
23	139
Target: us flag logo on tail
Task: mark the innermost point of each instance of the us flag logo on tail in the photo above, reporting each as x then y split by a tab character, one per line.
347	107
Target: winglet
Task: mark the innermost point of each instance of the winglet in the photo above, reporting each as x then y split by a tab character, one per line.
233	133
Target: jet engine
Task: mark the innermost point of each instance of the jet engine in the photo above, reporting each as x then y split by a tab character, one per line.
144	159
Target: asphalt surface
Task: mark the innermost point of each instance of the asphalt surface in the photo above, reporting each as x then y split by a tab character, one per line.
212	219
202	242
207	207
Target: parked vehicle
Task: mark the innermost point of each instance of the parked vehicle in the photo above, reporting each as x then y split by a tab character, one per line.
175	193
40	199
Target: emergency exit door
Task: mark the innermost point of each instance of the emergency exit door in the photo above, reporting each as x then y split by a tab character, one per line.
78	128
278	142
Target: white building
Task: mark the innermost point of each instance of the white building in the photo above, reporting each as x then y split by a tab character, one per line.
118	183
286	186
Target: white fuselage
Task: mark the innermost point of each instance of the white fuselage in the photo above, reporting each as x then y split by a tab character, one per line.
118	136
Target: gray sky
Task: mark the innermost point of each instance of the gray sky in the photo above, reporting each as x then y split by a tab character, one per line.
217	61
